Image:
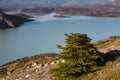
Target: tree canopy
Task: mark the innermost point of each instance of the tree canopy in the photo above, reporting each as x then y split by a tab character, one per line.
80	55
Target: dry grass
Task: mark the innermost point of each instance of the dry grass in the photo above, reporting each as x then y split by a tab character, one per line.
109	72
111	41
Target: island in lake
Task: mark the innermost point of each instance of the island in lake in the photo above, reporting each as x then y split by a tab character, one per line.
62	16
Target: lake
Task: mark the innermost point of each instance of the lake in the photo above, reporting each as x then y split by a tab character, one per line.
43	34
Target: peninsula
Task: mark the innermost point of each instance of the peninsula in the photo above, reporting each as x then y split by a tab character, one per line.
12	21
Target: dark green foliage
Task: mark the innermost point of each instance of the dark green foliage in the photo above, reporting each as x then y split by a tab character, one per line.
80	55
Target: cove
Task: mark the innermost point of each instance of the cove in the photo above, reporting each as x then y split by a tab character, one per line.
43	34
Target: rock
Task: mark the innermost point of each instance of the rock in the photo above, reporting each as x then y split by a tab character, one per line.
3	79
118	64
8	73
34	64
52	63
38	66
11	21
63	61
46	65
27	76
57	62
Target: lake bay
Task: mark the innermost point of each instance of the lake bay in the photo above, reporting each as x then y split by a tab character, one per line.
43	34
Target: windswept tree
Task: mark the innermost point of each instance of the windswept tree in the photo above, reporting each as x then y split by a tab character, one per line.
80	55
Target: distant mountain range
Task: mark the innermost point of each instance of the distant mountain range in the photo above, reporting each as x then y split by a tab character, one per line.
38	3
102	8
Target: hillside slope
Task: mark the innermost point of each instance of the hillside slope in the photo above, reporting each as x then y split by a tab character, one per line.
29	68
108	44
111	71
37	67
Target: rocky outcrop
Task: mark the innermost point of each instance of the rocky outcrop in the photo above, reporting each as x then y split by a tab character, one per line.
33	71
30	68
11	21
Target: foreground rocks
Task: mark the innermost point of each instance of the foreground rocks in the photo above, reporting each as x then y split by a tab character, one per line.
32	71
11	21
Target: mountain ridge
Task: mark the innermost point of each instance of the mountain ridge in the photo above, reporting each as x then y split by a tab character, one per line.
37	3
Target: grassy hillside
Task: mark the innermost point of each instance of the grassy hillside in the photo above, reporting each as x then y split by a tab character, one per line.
108	44
111	71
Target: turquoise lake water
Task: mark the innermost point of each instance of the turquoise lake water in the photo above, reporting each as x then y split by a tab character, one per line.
43	34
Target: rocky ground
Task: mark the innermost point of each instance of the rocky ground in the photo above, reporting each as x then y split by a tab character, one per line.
32	71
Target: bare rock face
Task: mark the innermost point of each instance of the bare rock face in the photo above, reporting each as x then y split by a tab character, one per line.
11	21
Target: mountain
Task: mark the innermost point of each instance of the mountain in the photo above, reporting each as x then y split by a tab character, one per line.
11	21
36	3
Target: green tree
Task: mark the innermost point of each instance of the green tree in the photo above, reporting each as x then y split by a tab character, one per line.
80	55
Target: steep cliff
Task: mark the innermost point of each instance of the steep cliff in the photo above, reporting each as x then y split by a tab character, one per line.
11	21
